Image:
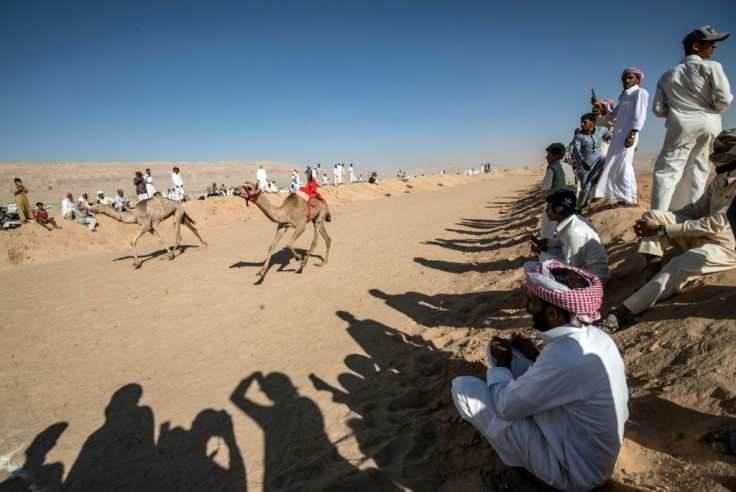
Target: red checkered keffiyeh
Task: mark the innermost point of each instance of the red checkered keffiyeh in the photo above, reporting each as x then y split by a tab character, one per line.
582	304
639	74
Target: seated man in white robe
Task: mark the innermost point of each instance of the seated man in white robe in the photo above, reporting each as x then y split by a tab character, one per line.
559	413
576	242
700	229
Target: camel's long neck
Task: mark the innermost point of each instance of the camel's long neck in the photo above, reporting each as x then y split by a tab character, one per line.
125	217
269	210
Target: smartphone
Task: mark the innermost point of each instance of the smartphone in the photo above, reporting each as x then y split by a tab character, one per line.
592	94
535	240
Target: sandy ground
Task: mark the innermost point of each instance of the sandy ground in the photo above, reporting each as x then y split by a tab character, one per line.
189	374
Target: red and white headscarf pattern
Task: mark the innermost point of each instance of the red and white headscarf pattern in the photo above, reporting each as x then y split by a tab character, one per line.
582	304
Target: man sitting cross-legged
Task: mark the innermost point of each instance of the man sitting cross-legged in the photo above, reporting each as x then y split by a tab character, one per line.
577	242
562	416
700	229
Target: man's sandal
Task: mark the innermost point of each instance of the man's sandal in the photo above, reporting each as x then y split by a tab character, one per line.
517	479
613	326
723	440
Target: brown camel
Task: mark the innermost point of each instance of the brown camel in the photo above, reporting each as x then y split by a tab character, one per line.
294	212
148	214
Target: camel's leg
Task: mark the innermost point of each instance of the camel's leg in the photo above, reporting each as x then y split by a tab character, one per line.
314	243
161	240
177	232
191	227
298	231
323	231
280	230
144	229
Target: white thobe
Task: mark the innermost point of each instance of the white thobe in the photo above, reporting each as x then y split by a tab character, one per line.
580	246
178	185
149	185
563	418
262	179
702	230
336	174
68	208
617	179
691	95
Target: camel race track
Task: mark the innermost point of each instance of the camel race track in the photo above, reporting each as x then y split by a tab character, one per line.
196	374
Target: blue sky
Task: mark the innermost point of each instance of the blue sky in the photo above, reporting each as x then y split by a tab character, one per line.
381	84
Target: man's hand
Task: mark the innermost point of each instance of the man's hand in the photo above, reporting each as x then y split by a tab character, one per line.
501	351
538	245
520	341
599	107
644	228
629	141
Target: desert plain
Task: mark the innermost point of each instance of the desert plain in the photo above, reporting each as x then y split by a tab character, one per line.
194	374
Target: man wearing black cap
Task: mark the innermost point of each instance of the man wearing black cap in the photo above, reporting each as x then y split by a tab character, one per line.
577	243
691	95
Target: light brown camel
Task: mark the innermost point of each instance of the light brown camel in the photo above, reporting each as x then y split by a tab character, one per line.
148	214
294	212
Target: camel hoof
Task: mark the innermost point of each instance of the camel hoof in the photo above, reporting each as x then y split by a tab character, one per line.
320	264
298	257
136	265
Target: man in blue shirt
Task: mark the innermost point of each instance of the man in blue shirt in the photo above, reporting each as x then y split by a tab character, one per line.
587	152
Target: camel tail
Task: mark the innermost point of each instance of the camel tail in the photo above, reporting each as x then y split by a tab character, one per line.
328	218
187	220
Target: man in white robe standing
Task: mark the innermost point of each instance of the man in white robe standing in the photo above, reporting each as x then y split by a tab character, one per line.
691	95
617	179
558	413
262	179
178	184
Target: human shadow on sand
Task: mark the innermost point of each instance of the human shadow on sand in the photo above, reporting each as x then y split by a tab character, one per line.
403	415
122	454
298	453
458	310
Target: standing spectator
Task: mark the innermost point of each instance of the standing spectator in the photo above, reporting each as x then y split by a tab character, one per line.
336	174
42	217
140	186
121	202
21	200
262	179
691	95
309	174
351	171
587	152
295	185
617	179
343	173
150	189
559	176
318	174
178	184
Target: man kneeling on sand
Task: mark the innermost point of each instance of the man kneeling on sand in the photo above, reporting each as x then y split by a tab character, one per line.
558	413
700	229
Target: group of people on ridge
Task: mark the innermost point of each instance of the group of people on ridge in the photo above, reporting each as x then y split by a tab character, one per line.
556	416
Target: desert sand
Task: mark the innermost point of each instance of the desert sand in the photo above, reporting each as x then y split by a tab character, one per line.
193	374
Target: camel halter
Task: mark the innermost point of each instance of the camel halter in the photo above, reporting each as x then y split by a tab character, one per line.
250	197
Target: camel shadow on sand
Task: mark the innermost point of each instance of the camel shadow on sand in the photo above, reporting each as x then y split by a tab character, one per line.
157	254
